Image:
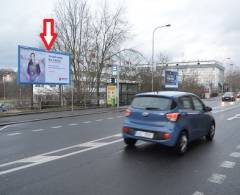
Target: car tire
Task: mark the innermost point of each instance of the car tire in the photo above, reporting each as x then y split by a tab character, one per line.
211	133
182	144
130	142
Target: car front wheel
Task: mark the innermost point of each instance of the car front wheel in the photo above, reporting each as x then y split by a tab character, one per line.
182	144
211	133
130	142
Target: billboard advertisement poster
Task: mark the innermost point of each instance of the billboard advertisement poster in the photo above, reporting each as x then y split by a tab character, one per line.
111	94
37	66
171	79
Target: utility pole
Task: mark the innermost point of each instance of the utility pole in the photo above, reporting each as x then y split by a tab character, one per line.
118	67
153	33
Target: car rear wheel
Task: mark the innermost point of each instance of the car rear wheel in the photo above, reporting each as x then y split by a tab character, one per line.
211	133
130	142
182	144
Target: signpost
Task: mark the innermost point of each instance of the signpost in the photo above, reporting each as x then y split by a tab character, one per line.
171	79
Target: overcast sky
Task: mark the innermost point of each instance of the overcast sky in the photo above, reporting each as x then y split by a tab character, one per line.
201	30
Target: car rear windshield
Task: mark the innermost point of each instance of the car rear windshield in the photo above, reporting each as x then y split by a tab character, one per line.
151	102
228	94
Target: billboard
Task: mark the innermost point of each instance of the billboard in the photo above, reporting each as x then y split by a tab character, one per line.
111	94
37	66
171	79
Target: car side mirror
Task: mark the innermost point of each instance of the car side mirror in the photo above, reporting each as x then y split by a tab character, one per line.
207	109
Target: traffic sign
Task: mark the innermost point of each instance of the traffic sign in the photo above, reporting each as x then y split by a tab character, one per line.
114	70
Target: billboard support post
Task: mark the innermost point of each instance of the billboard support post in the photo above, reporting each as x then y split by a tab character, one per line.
31	96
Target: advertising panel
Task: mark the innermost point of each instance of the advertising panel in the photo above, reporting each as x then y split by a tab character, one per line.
111	94
171	79
37	66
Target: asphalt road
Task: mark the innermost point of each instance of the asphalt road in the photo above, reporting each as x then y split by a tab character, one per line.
86	155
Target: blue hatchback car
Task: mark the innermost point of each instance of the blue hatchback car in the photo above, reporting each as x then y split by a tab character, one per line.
170	118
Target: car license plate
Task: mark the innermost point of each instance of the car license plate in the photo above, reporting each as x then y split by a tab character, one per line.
144	134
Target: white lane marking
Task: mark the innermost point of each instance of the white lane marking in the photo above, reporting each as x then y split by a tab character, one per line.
234	117
235	154
56	127
230	108
12	134
198	193
119	116
98	120
217	178
110	118
238	147
227	164
73	124
86	122
37	130
46	157
214	112
1	129
36	159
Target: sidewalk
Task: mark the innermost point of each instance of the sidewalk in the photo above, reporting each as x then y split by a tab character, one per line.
23	118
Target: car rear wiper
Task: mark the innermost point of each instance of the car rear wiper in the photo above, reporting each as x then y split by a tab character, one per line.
152	108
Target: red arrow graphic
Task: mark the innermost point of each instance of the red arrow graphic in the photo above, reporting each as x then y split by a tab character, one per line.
48	35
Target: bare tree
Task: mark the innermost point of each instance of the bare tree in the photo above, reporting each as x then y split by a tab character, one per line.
232	79
129	60
91	41
145	74
190	83
74	36
110	30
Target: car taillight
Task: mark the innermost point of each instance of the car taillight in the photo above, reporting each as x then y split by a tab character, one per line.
127	112
166	136
172	116
125	129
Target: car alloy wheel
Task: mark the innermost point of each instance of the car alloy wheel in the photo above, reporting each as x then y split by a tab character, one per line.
182	144
211	133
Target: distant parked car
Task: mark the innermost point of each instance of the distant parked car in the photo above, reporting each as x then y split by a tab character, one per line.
3	108
238	95
169	118
228	96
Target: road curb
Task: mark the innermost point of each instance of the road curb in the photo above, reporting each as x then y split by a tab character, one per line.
58	117
42	112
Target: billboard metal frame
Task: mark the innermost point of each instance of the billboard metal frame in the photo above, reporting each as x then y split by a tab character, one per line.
42	50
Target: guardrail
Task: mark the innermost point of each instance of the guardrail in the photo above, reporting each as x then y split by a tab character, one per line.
26	106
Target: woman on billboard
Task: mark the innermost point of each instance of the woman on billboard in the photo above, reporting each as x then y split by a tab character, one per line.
33	69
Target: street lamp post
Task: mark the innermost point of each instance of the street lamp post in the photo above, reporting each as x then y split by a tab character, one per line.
168	25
